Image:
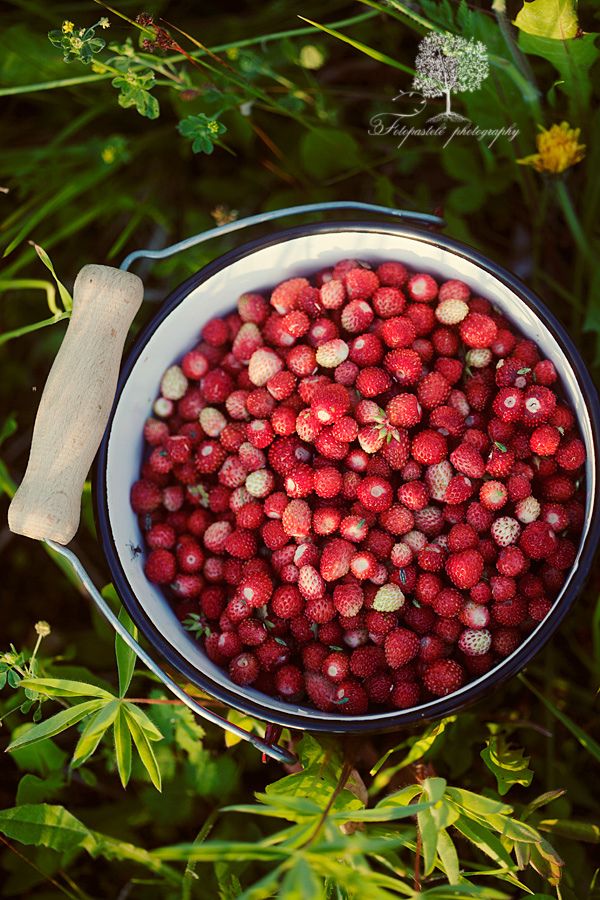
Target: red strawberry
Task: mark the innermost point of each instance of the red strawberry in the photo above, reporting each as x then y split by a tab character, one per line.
571	454
422	288
433	390
335	559
539	404
320	690
329	403
392	273
478	330
160	567
375	493
360	283
244	669
443	677
400	646
465	568
404	365
429	447
351	698
538	540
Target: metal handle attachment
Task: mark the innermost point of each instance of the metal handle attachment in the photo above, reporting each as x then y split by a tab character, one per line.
272	750
269	216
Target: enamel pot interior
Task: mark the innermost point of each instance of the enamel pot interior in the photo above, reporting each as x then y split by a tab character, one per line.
258	266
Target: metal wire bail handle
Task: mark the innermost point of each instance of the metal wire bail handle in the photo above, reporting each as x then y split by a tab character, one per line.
261	218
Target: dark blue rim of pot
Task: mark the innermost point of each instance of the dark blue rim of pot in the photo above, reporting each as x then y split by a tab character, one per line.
322	722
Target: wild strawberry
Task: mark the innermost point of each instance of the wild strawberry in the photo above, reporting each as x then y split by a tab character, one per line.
422	288
335	559
363	565
400	646
459	489
538	540
393	274
443	677
505	531
329	403
356	316
389	598
539	404
336	666
404	365
413	495
428	448
360	283
468	460
465	568
351	698
493	495
397	333
372	381
285	296
332	353
433	390
272	654
375	493
475	643
571	454
264	363
160	567
145	496
173	384
451	311
478	330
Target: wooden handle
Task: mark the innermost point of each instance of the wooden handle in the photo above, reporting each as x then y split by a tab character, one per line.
75	404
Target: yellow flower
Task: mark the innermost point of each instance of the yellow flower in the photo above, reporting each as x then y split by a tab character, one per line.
104	23
213	126
67	27
558	149
42	628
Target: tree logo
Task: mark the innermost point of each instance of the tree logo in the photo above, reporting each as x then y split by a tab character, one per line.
447	63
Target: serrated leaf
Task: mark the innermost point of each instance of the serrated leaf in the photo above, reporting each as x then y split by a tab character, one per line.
122	736
57	723
508	764
548	18
144	747
93	732
62	687
126	657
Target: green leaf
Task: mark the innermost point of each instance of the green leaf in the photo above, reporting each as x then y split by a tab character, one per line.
587	742
62	687
480	805
429	838
301	883
507	764
44	825
122	737
380	813
57	723
236	851
485	840
546	861
93	732
126	657
9	426
572	59
548	18
143	721
540	801
327	151
569	828
144	747
448	856
418	747
67	300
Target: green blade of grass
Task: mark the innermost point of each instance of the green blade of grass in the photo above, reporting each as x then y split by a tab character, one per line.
363	48
587	742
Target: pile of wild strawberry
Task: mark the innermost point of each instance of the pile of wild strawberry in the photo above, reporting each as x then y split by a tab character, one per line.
366	489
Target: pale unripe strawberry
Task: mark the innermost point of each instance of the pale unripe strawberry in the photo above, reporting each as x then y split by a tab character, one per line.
505	531
528	510
310	583
416	540
212	421
389	598
437	479
263	365
451	312
332	353
260	483
173	384
478	359
163	408
247	341
475	643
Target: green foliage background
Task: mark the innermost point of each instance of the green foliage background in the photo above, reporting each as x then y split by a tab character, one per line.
258	109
